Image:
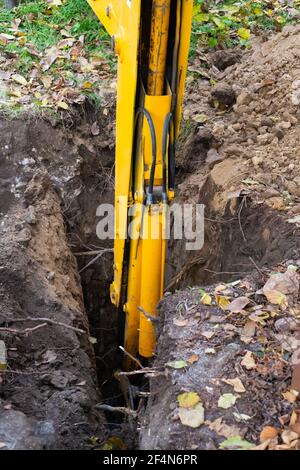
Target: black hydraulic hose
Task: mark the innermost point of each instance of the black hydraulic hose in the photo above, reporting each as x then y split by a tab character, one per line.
168	131
154	150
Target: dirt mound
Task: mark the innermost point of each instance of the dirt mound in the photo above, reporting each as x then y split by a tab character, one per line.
261	129
234	353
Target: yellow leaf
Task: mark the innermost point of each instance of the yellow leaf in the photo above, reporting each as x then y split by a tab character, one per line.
222	301
206	299
62	105
244	33
19	79
87	85
188	399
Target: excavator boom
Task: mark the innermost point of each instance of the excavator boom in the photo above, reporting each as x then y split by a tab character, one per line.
151	39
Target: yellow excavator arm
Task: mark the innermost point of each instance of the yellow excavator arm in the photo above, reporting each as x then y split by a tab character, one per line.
151	39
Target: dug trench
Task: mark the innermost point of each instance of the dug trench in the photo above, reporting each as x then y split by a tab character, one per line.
57	323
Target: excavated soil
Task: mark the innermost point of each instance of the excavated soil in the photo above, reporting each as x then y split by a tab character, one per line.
239	155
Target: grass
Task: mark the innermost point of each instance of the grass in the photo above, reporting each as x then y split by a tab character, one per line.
43	25
230	22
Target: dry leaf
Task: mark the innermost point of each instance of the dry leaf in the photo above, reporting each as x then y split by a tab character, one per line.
210	351
226	401
188	399
241	417
51	55
46	81
95	130
267	433
207	334
237	305
249	329
288	437
19	79
290	395
192	359
62	105
248	361
236	384
2	445
181	323
223	429
281	286
192	417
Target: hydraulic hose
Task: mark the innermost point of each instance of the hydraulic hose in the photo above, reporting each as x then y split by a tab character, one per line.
154	151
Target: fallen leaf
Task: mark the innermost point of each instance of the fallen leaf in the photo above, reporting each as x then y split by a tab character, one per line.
192	359
290	395
51	55
210	351
93	340
223	429
46	81
241	417
2	445
86	85
112	443
181	323
248	361
268	432
236	384
288	436
192	417
200	118
220	288
237	305
207	334
19	79
95	130
236	443
188	399
62	105
249	329
176	364
226	401
222	301
281	285
244	33
205	298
